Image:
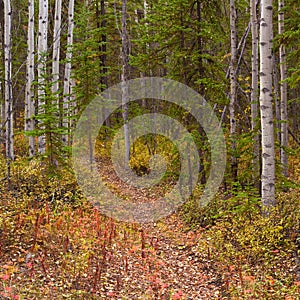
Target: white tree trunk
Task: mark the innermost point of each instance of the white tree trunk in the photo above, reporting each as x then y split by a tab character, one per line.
142	74
29	94
103	47
283	94
266	110
125	77
2	82
276	97
233	61
42	68
254	90
8	80
68	82
56	48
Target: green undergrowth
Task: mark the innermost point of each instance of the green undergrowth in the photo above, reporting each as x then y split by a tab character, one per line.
55	245
36	180
258	256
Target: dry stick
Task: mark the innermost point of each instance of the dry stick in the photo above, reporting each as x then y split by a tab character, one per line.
243	44
212	113
293	136
222	117
116	18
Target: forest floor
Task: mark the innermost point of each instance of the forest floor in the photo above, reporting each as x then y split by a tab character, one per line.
175	265
52	247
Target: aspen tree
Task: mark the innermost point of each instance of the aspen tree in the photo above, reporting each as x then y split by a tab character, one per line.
56	48
68	82
266	109
125	77
29	94
254	89
283	94
8	87
233	63
42	68
8	80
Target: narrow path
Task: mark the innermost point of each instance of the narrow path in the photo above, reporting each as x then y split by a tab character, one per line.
165	262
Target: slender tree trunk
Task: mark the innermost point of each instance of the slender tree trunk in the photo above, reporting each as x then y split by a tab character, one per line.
125	77
254	92
68	83
295	107
137	20
276	97
101	24
283	94
42	68
56	48
201	74
100	14
145	9
29	95
143	74
2	107
266	110
200	40
8	87
8	80
233	43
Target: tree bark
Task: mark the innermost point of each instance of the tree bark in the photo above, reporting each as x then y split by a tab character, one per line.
3	62
101	24
56	49
124	78
276	97
232	72
254	92
42	68
8	88
266	110
68	83
8	80
283	94
29	95
100	14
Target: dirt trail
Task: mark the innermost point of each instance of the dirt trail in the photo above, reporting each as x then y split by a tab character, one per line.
166	262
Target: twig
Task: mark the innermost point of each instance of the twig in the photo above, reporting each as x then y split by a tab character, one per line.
293	136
